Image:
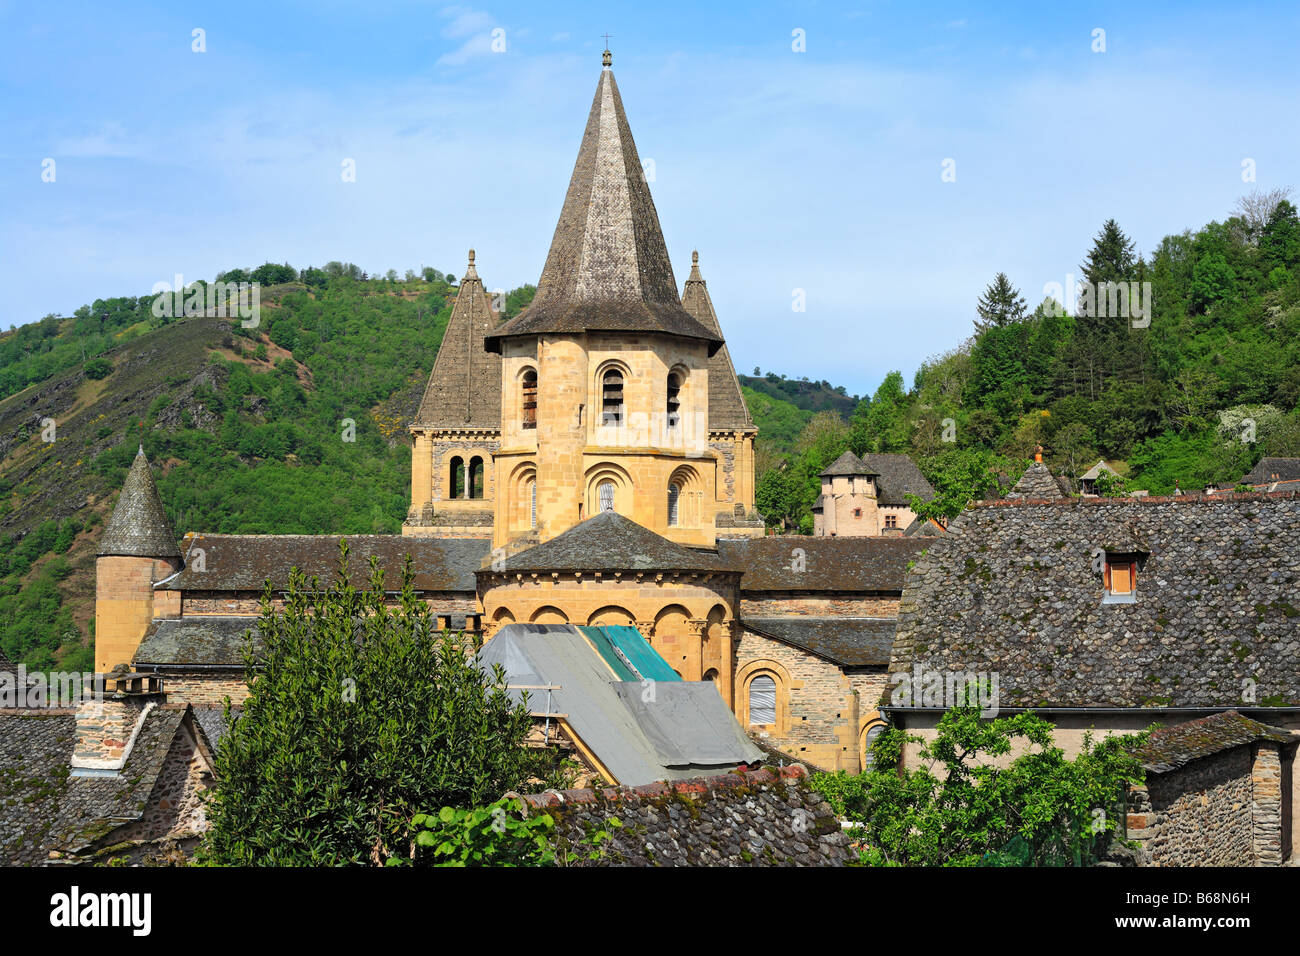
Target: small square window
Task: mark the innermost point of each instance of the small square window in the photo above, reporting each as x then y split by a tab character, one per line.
1119	578
857	512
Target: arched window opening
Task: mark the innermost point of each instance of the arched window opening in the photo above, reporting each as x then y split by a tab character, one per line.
762	701
475	478
605	492
456	478
530	399
612	398
674	496
674	399
868	759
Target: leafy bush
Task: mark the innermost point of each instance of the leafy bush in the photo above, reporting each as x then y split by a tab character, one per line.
978	808
359	714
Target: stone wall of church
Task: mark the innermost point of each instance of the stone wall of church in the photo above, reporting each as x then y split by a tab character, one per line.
818	716
248	603
205	688
804	604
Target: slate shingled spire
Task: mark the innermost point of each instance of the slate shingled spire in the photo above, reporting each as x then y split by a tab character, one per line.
608	268
727	410
138	526
464	386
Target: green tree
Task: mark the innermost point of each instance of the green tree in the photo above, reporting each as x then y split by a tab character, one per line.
966	804
359	716
1000	304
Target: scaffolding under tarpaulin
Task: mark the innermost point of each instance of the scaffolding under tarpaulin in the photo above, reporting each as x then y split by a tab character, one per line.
640	731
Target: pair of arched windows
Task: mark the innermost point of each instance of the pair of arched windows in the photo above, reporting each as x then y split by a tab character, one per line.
612	409
465	482
605	500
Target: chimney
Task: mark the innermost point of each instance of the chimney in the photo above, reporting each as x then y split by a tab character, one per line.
107	722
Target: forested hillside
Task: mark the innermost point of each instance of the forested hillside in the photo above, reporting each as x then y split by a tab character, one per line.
1195	392
297	425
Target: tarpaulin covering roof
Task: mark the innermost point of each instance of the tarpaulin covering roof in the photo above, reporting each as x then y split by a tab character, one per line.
641	731
629	654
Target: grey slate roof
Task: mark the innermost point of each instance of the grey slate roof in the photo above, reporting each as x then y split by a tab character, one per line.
43	807
205	641
1036	482
138	526
896	475
850	641
727	408
464	389
608	267
848	464
1272	469
610	542
683	730
1012	589
1097	470
242	562
774	563
1169	748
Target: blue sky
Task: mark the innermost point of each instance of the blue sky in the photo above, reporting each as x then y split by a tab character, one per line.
818	170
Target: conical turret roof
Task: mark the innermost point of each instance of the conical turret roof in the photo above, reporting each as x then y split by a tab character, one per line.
464	389
608	268
138	526
727	409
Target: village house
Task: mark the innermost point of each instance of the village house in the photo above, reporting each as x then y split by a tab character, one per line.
1110	615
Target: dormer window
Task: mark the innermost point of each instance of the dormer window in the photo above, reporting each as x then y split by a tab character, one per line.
612	398
1120	577
530	399
674	399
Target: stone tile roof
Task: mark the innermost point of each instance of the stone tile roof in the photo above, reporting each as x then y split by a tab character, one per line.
92	806
727	408
1036	482
610	542
35	753
205	641
850	641
243	562
464	389
896	475
848	464
1013	588
138	526
748	818
928	528
212	721
43	807
773	563
608	267
1171	747
1272	469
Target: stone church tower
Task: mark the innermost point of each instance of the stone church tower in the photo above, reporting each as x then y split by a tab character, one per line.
457	429
137	551
610	392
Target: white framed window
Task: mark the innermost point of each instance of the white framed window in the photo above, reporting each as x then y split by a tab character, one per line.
674	499
762	701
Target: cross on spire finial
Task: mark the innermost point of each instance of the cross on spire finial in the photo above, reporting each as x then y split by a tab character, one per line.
606	58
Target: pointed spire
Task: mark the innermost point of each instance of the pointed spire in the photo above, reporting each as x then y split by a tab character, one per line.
138	526
456	396
727	408
608	267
